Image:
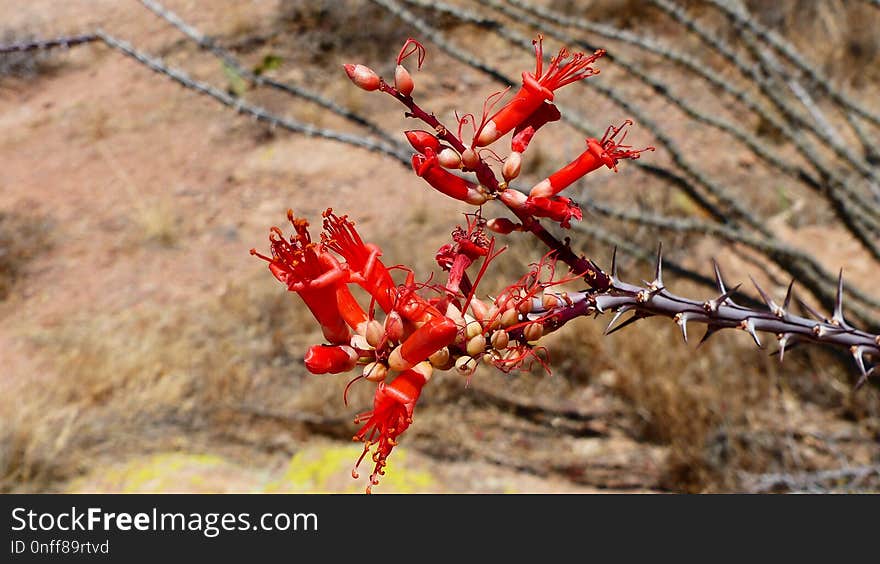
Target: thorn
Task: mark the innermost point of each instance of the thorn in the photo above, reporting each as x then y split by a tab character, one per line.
713	305
858	354
748	326
864	378
773	306
636	316
614	264
681	319
783	339
818	316
719	280
791	344
837	316
657	284
787	300
710	330
617	315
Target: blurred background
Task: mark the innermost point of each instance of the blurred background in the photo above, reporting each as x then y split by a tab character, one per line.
142	348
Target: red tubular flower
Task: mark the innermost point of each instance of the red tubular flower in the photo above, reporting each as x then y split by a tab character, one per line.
392	414
350	310
330	359
607	151
557	208
444	181
362	258
310	272
435	334
537	87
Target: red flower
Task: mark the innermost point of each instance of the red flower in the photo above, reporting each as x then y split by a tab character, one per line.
607	151
312	273
362	259
444	181
538	87
392	414
467	247
557	208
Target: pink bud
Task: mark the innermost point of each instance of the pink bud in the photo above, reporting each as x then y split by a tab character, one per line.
512	166
470	158
394	327
502	225
449	158
513	198
364	77
403	81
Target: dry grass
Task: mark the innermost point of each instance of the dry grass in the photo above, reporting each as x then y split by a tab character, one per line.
23	236
129	383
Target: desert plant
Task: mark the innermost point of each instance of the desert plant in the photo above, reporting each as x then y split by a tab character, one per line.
447	325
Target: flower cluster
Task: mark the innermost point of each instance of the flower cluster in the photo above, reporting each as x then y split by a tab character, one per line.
424	327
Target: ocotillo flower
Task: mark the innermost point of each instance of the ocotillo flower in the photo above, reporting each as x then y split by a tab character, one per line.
467	246
557	208
428	167
312	273
392	413
537	88
607	151
361	258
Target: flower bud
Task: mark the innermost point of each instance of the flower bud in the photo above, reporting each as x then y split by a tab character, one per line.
364	77
512	166
449	158
509	317
441	359
465	364
374	333
470	159
473	328
403	81
549	301
455	315
500	340
394	327
533	331
502	225
423	140
479	308
476	345
330	359
493	319
375	372
513	198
